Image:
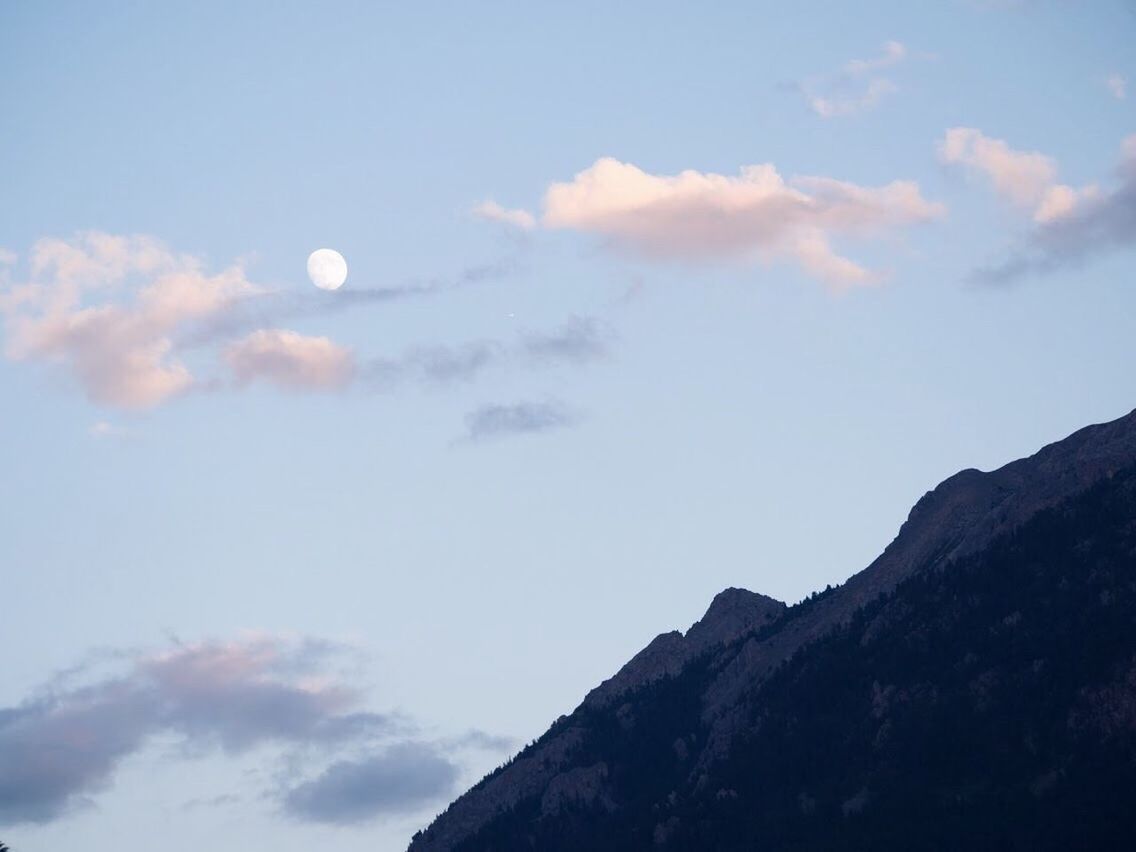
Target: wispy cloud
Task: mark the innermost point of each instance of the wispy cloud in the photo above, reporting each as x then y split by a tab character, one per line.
64	744
219	801
494	212
103	430
1117	86
756	215
273	308
580	340
859	86
522	418
1071	226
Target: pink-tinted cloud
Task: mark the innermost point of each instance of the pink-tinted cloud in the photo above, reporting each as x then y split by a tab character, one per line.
123	314
494	212
106	307
1089	224
757	214
1117	86
290	360
1028	179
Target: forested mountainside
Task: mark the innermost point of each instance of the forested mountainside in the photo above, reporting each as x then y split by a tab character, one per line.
974	688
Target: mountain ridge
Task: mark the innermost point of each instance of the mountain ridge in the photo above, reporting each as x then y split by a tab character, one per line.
745	638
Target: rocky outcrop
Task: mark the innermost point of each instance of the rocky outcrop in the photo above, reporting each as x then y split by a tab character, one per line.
732	613
584	786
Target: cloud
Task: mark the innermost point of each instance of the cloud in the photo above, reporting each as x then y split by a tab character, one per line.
482	741
893	53
119	348
857	87
1028	179
103	430
122	314
580	340
219	801
494	212
271	308
7	257
399	779
290	360
1117	86
65	742
833	107
498	421
1070	225
702	216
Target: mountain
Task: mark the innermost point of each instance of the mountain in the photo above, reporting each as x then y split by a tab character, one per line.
974	687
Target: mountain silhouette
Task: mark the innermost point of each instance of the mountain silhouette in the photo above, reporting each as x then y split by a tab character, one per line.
974	687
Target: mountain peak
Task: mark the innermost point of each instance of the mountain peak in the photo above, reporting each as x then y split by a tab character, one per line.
732	613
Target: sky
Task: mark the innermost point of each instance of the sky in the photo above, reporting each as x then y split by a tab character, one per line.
644	300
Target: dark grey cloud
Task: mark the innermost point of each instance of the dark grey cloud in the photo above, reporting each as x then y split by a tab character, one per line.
498	421
580	340
52	753
399	779
64	744
1099	224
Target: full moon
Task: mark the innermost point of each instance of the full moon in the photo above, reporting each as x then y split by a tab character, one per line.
327	269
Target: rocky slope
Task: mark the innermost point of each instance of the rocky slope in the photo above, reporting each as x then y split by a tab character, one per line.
664	754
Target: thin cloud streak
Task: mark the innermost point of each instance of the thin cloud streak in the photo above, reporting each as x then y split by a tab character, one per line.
491	422
581	340
273	308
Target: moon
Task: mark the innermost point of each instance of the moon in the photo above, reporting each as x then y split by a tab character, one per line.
327	269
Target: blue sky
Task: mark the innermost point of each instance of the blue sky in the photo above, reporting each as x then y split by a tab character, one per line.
412	519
